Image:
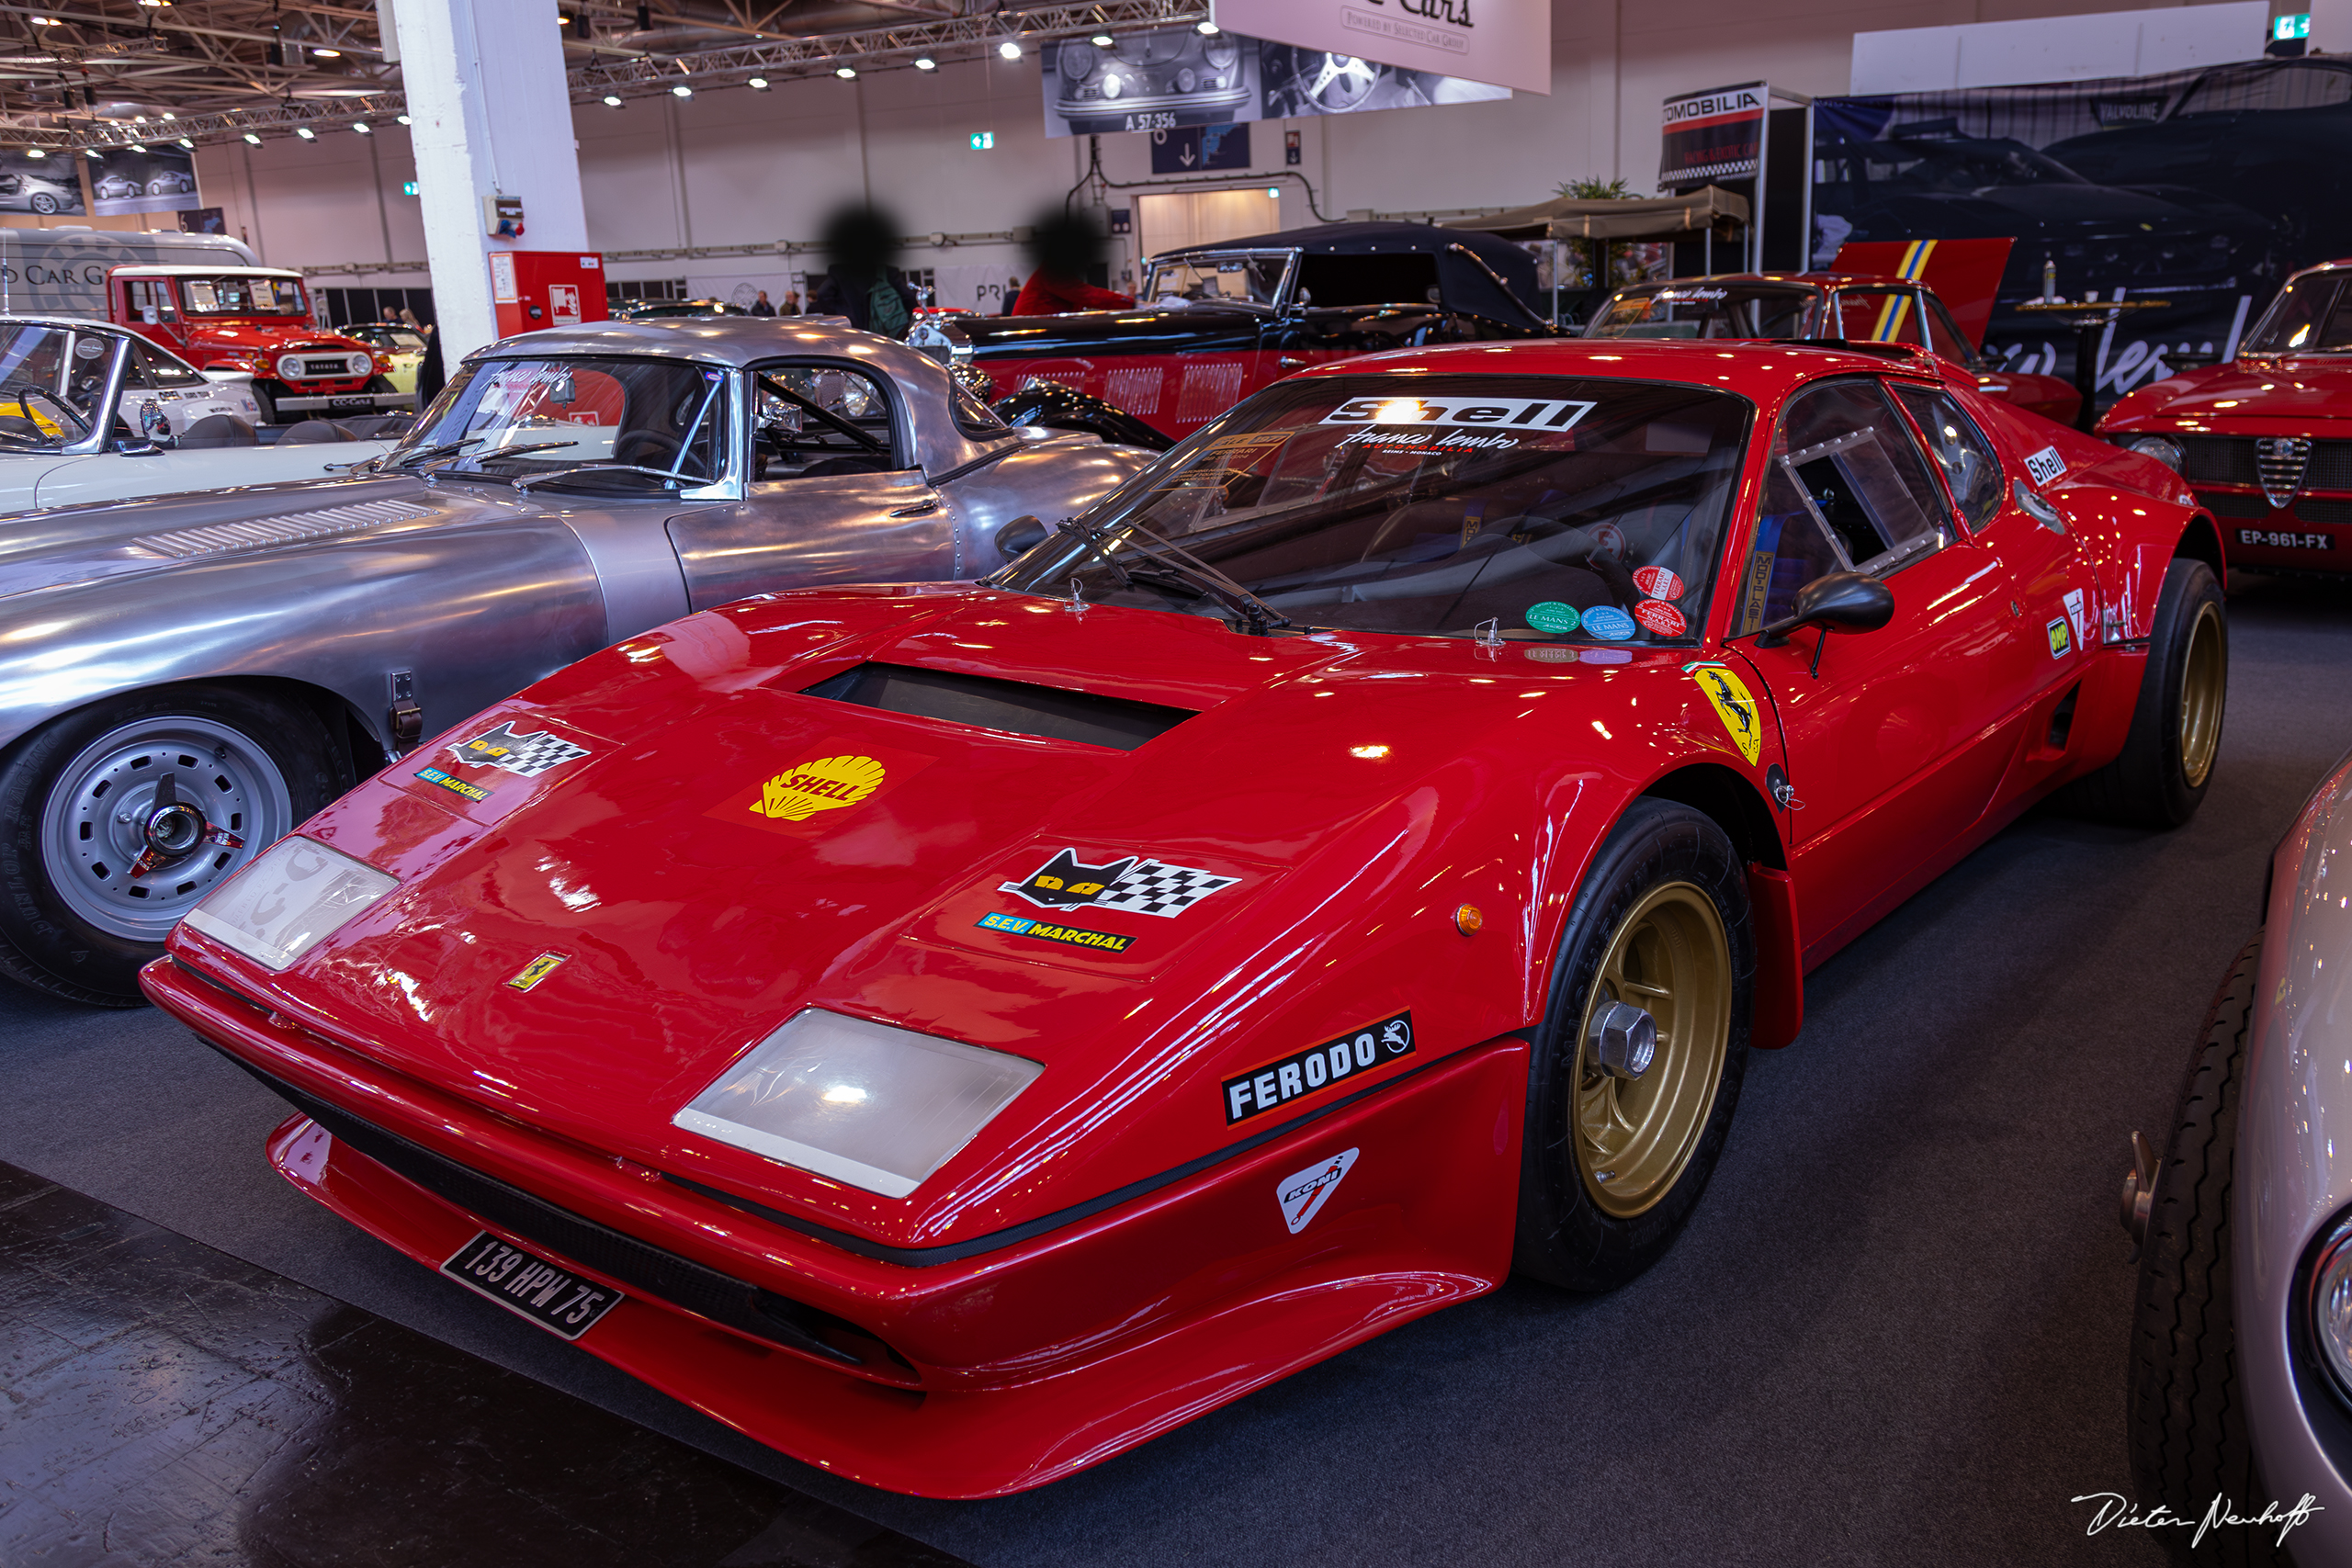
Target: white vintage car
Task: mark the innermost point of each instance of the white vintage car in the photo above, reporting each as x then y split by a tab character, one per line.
173	428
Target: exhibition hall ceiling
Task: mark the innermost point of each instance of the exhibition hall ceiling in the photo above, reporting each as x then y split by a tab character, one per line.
109	72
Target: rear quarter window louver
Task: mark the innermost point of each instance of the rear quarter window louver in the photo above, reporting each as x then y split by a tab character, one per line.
987	702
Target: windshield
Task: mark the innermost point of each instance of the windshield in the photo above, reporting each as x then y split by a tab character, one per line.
1707	309
234	296
1255	278
2304	319
50	380
1558	509
640	423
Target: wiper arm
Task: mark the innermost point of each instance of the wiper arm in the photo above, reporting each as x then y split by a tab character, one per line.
1260	616
506	452
438	449
527	480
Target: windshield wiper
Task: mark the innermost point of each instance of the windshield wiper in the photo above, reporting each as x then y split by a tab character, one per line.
438	449
503	453
527	480
1260	616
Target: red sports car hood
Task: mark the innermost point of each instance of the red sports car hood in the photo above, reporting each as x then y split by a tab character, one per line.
2246	397
711	849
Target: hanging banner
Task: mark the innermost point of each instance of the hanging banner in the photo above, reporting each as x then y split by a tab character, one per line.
2201	188
1173	78
43	184
123	180
1480	41
1713	135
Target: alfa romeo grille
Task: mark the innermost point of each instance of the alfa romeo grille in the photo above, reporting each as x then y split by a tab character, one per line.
2280	460
2218	459
291	529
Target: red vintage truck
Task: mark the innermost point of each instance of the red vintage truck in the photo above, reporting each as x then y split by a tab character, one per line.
257	319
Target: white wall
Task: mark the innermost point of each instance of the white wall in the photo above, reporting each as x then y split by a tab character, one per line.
736	167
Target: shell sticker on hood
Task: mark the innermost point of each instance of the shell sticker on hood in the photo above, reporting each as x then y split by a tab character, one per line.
1733	705
1138	886
840	775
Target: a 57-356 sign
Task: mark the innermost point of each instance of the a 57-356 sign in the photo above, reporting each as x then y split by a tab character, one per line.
1507	42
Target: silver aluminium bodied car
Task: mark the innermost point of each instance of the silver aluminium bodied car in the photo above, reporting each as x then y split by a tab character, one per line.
184	679
2241	1366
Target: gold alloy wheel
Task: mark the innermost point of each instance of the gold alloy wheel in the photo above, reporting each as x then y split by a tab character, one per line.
2204	681
1633	1136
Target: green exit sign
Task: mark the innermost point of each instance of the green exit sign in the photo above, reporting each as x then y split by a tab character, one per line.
983	141
2283	28
408	188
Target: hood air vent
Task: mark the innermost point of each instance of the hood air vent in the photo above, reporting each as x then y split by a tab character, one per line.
287	528
989	703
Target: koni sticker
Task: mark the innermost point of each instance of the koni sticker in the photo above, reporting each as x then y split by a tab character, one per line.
810	795
1278	1083
1303	1193
526	756
1131	882
1735	706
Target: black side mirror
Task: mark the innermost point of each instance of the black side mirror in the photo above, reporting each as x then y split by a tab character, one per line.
1020	537
1834	601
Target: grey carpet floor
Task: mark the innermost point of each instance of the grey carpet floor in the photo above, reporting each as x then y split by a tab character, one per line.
1893	1334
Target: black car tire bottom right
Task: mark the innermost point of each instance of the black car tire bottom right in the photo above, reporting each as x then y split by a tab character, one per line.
2161	775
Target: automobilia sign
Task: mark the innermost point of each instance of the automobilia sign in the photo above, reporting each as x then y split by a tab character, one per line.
1712	135
1507	42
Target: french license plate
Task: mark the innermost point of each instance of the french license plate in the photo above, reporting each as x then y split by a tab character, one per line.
2277	540
554	1298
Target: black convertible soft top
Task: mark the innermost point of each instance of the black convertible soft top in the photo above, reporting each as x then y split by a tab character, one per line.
1466	284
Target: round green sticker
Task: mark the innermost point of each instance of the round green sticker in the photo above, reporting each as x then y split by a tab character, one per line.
1551	617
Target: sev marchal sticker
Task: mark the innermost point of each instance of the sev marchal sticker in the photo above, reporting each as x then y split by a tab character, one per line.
1303	1193
454	786
1733	705
1045	930
526	756
2045	465
1135	884
1277	1083
537	970
805	797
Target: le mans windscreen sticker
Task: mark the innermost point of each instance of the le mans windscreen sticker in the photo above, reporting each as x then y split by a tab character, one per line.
1277	1083
1735	706
1303	1193
816	788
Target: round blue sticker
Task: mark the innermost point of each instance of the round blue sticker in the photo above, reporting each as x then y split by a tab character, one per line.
1551	617
1609	623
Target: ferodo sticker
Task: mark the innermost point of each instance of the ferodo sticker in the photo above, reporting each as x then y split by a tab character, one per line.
1735	706
1521	413
1303	1193
1132	883
809	795
2045	465
1278	1083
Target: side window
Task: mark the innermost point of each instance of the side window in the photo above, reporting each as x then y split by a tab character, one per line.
1944	335
1879	315
1967	458
810	421
157	368
150	301
1847	491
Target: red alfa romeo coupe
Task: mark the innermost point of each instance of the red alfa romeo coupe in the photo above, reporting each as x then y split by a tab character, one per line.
955	1033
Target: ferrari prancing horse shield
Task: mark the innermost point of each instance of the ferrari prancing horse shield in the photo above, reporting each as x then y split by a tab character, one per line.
1733	706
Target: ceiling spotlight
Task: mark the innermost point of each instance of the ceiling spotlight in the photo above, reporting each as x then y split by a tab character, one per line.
846	72
1206	29
93	154
306	134
169	115
925	62
139	119
138	147
682	91
612	100
45	21
362	127
1102	41
185	142
1010	49
327	53
35	153
251	139
757	84
402	119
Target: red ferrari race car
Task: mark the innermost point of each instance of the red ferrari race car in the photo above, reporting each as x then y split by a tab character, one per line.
2266	440
953	1033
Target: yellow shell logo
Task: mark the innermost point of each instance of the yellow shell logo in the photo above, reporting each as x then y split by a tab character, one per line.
826	784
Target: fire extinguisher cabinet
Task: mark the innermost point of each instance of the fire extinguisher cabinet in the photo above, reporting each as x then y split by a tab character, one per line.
546	288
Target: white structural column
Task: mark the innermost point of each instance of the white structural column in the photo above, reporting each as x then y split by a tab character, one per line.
488	116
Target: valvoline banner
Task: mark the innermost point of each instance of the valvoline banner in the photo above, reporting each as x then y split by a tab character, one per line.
2201	188
1712	135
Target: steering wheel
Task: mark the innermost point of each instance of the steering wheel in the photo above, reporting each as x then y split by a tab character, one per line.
1341	82
648	448
19	397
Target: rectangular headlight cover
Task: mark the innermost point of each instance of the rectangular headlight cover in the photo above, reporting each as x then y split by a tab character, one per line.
289	901
876	1107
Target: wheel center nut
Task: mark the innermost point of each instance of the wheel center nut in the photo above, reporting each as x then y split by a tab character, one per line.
1623	1040
174	830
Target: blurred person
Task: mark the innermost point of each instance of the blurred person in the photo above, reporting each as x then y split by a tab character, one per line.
860	282
1063	247
1012	293
760	307
791	306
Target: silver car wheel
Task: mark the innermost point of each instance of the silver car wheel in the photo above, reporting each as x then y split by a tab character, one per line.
130	853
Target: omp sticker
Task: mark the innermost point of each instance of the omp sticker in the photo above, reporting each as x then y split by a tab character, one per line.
1277	1083
1735	706
1660	617
1135	884
1552	615
1522	413
1608	624
2074	612
1069	936
2060	643
525	755
1658	582
537	970
454	786
1303	1193
2045	465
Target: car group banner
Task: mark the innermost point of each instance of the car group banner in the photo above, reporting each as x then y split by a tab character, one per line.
1173	78
126	180
1509	45
2201	188
1713	135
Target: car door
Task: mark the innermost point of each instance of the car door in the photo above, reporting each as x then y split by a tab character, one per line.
832	493
1895	737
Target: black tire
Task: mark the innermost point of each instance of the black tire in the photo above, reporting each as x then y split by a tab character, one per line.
1566	1235
2153	783
380	384
2184	1407
266	401
49	938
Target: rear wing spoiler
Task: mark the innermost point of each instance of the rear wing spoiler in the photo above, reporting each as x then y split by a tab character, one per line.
1964	274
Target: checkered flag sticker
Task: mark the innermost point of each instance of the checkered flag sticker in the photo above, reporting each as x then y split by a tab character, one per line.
525	755
1155	887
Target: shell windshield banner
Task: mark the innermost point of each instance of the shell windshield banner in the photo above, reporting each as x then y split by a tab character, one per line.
126	180
2203	189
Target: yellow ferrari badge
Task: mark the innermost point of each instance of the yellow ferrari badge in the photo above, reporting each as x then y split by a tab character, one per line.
537	970
1733	706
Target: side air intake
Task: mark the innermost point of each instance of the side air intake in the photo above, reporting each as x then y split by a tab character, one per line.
991	703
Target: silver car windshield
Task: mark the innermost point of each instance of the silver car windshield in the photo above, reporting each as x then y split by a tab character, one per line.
603	420
1547	509
49	378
